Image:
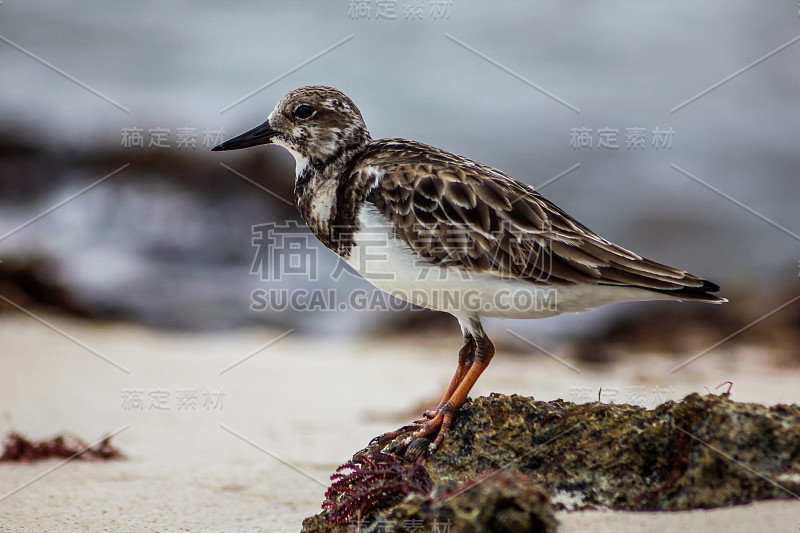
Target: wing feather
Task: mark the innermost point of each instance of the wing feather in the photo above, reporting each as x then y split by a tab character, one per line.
458	213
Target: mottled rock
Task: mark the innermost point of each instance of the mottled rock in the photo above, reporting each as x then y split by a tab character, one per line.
705	451
499	501
509	461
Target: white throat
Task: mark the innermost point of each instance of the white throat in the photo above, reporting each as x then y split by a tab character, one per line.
300	161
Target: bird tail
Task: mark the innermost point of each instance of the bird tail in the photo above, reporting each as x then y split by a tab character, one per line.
697	294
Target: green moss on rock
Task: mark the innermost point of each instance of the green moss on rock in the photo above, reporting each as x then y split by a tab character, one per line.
506	454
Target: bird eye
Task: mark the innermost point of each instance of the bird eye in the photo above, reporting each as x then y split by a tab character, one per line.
303	111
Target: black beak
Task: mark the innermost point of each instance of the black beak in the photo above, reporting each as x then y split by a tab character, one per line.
259	135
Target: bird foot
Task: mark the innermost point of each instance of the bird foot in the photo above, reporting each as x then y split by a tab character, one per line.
428	434
389	436
411	448
431	414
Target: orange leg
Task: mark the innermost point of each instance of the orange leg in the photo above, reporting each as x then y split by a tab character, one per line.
466	356
440	423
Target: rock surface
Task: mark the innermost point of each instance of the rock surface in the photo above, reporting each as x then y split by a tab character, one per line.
510	462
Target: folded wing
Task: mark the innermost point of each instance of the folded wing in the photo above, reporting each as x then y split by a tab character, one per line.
457	213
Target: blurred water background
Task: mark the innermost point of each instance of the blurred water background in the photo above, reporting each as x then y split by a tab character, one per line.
167	240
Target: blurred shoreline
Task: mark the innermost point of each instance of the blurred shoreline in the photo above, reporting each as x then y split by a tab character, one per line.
170	242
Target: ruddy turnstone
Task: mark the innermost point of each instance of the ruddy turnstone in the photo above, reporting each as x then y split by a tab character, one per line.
445	232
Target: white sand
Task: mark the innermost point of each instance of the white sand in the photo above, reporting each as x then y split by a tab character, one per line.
304	404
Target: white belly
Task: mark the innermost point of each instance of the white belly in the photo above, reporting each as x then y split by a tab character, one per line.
390	265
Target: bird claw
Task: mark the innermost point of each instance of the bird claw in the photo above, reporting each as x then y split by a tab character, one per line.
427	437
411	448
417	449
391	435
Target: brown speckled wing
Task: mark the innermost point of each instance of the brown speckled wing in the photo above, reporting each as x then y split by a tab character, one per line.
457	213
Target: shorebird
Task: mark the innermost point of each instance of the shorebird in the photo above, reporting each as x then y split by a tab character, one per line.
444	232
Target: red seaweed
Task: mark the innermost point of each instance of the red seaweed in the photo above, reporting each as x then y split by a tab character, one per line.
18	448
372	482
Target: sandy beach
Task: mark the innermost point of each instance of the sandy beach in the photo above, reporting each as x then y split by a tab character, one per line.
227	435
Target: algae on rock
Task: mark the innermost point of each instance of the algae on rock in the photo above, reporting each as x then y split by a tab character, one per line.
505	454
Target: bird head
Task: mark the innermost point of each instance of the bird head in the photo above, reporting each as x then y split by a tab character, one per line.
316	124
